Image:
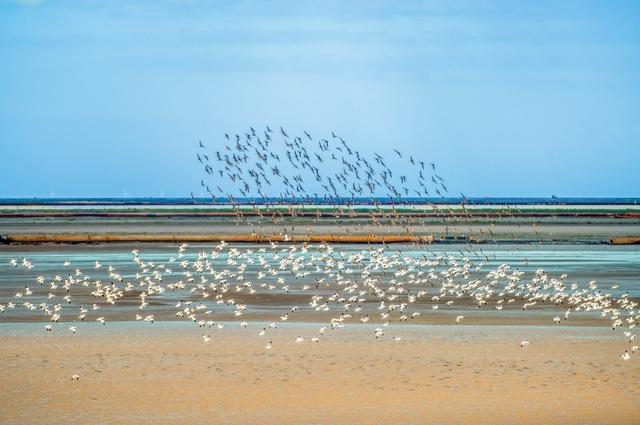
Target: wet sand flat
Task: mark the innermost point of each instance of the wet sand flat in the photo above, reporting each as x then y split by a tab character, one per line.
545	225
164	373
597	230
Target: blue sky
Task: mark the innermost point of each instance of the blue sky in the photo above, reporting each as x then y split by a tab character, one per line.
509	98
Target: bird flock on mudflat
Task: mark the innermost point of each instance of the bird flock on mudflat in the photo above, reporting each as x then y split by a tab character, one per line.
339	286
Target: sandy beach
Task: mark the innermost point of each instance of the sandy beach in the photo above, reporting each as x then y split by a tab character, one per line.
159	373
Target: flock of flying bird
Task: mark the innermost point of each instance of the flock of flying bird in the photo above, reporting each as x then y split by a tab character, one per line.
379	286
343	286
306	170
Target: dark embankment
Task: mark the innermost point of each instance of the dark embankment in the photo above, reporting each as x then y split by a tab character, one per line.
178	238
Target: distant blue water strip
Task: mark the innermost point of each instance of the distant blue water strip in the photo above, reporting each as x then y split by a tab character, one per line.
319	201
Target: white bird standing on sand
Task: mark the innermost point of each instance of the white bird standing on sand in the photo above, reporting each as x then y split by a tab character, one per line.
524	343
459	319
269	346
75	377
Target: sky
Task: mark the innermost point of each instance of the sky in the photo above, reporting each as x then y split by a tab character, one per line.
508	98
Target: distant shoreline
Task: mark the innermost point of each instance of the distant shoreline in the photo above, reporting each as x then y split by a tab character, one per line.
185	201
319	211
